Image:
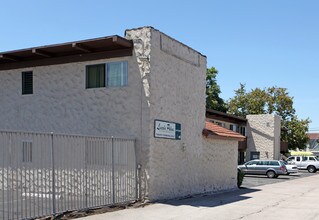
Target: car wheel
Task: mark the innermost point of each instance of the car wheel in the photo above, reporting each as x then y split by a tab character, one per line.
311	169
271	174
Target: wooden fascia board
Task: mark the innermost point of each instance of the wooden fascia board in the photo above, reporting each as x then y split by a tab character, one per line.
81	47
67	59
8	57
122	42
41	53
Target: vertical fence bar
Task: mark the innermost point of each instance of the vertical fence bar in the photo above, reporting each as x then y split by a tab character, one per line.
2	147
42	168
12	178
113	172
53	176
8	179
102	172
86	172
137	171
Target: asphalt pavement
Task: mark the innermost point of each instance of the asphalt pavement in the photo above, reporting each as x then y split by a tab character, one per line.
289	197
259	180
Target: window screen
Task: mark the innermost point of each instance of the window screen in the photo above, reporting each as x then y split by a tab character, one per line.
117	74
109	74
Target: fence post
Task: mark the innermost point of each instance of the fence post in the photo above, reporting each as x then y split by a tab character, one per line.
138	182
113	172
137	173
86	171
53	177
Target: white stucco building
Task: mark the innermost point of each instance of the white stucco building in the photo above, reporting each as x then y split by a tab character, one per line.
262	132
263	136
122	87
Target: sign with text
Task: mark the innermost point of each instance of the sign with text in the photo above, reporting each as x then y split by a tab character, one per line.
166	129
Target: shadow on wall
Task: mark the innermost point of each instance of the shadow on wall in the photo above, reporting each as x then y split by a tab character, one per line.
251	145
272	138
213	200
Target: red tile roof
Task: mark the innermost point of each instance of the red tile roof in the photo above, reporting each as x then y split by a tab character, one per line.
216	131
313	136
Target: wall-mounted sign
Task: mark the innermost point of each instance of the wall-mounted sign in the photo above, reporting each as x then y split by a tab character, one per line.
166	129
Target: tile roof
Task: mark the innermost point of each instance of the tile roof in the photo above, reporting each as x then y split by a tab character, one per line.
313	136
216	131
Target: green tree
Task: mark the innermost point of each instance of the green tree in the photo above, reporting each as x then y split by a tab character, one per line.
280	102
213	101
238	104
272	100
254	102
296	133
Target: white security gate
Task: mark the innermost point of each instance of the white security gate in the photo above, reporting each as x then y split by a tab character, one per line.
43	174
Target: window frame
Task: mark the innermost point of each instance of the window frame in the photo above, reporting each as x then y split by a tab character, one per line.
106	66
87	76
107	74
25	83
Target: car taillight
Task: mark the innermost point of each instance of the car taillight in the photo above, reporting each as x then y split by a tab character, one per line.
282	168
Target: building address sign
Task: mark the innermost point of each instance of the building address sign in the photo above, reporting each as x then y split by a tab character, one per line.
166	129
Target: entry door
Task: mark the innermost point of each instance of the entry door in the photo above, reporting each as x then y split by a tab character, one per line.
254	155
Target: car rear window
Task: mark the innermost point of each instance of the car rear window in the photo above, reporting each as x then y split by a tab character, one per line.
273	163
263	162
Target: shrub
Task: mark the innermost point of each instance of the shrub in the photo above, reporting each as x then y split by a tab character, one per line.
240	178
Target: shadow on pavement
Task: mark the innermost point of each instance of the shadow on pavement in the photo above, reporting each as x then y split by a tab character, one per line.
264	177
213	200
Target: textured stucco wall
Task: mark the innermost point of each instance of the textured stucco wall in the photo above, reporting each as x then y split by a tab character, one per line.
220	163
174	85
177	81
62	104
166	82
263	135
141	38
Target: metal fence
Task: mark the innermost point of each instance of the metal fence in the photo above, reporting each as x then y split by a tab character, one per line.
43	174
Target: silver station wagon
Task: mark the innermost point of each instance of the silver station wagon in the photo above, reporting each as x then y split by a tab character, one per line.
271	168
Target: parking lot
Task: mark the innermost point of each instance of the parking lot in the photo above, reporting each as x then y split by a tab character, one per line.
259	180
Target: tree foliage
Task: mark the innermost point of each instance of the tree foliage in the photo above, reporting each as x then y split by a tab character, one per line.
296	133
272	100
213	101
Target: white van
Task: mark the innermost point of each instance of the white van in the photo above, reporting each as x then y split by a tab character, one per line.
310	163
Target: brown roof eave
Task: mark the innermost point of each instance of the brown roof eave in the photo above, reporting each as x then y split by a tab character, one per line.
210	113
214	136
209	134
97	48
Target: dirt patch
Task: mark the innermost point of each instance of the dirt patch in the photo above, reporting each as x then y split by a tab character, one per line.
95	211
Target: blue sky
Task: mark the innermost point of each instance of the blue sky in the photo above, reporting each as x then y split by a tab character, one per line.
259	43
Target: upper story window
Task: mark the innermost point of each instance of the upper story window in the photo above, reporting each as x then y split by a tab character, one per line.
243	131
117	74
109	74
95	76
27	83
